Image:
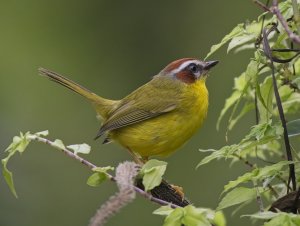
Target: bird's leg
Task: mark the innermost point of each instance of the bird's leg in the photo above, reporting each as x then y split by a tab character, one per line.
136	158
142	160
178	190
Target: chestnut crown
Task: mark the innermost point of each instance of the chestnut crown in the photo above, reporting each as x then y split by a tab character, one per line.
188	70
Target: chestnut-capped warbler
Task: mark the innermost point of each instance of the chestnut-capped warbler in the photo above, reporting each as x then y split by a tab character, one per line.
158	117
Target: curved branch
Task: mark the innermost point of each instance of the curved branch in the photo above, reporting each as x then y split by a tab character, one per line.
110	177
268	53
274	9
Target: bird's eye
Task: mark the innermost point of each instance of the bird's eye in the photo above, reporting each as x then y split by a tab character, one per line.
194	68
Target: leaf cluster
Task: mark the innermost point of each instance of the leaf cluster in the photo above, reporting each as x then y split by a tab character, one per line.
254	92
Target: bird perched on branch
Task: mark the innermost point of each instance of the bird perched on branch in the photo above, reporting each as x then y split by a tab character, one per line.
158	117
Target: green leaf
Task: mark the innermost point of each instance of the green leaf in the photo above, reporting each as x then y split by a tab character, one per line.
246	108
241	85
96	179
237	31
241	48
285	93
241	82
277	219
19	144
8	176
259	96
103	169
80	148
265	99
151	164
194	217
230	101
279	45
216	154
240	40
285	9
263	131
237	196
252	70
269	171
241	179
257	174
99	176
191	216
163	210
293	128
219	219
296	82
285	220
59	144
259	134
174	218
152	172
241	91
42	133
297	66
267	215
291	105
254	28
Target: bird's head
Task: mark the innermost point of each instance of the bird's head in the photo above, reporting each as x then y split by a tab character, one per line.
188	70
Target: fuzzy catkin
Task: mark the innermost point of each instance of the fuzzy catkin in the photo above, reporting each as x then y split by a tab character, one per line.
125	174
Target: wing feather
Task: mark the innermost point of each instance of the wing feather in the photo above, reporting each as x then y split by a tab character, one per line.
125	118
149	101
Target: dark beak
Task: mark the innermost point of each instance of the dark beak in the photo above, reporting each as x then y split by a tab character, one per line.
209	64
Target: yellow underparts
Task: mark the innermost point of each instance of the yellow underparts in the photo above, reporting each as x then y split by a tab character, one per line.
164	134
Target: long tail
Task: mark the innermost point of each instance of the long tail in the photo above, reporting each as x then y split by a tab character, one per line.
103	106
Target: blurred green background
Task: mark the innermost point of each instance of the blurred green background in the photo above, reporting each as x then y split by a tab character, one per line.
111	47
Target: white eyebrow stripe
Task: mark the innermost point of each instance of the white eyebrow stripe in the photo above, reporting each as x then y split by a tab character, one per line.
183	65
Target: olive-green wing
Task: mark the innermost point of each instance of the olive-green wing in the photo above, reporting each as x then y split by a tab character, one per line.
129	115
147	102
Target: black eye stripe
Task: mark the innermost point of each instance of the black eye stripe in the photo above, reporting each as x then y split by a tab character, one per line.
194	68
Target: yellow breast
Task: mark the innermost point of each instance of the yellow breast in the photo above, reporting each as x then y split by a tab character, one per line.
166	133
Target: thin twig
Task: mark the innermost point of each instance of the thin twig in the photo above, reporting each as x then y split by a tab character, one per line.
259	38
261	5
256	109
286	50
258	197
275	10
110	177
292	48
268	53
256	116
252	166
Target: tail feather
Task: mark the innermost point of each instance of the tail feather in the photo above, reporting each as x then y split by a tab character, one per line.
102	105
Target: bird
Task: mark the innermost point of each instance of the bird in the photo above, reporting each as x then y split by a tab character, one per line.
157	118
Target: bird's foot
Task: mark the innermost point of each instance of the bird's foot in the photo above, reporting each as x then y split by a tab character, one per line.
178	190
137	158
